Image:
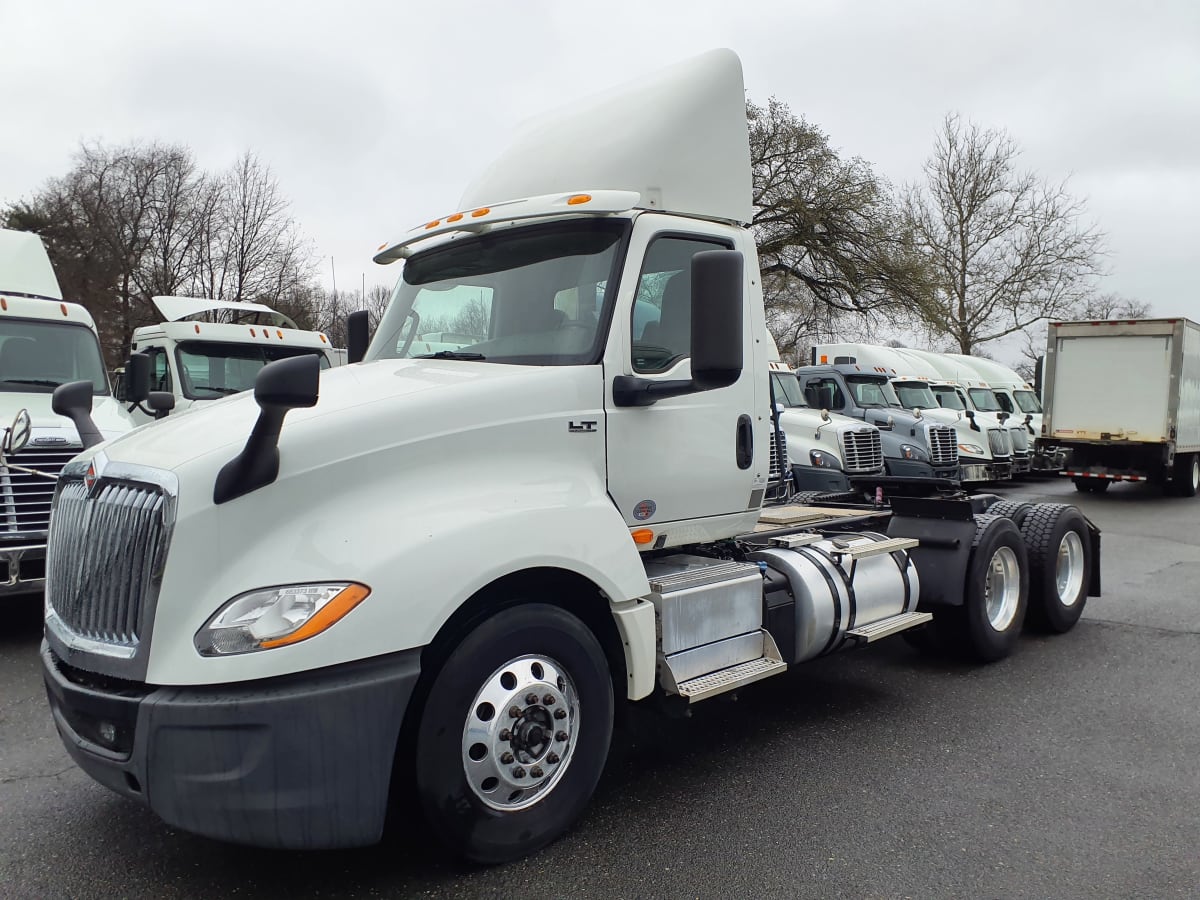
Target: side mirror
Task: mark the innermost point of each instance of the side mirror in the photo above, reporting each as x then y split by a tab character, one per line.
16	436
74	400
284	385
160	403
717	312
136	381
358	336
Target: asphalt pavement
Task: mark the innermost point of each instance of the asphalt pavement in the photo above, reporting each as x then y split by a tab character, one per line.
1071	769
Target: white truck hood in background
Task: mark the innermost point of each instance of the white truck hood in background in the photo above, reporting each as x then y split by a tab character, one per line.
107	413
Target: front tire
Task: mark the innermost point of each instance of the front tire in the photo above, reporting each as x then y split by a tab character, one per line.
514	734
1060	563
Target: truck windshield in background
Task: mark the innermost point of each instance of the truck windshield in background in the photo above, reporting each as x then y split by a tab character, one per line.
872	391
37	356
787	390
210	369
985	400
1028	401
530	296
915	395
948	398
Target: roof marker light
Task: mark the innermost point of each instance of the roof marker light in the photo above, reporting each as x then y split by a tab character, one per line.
63	307
197	329
253	333
279	334
454	218
381	246
322	337
482	211
577	199
434	224
3	304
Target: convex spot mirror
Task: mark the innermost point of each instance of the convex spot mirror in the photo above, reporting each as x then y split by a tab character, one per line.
16	437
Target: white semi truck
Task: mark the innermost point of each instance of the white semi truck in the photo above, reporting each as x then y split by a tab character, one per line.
1123	399
431	577
44	343
195	359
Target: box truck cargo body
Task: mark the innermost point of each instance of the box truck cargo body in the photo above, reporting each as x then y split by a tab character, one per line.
1124	398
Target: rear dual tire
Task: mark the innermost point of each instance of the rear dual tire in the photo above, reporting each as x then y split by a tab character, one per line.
1059	545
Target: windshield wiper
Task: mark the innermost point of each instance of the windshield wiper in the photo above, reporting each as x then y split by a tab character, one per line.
451	354
223	391
41	382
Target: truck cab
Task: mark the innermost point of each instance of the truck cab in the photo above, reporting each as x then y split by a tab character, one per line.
44	343
197	360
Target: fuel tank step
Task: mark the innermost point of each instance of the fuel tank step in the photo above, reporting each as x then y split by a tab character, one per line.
714	683
868	634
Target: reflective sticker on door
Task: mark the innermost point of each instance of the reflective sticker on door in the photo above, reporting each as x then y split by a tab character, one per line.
644	510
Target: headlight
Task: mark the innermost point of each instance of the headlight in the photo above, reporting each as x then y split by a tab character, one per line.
908	451
972	449
823	460
273	617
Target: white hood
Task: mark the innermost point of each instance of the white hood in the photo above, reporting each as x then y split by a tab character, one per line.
110	417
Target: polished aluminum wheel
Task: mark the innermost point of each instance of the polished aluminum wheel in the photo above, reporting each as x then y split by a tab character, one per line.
1002	590
1068	571
520	733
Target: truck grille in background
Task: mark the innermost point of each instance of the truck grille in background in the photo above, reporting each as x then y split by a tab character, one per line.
1020	439
102	554
778	455
943	445
862	450
25	497
999	441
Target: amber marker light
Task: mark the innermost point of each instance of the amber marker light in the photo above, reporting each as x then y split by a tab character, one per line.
578	199
381	246
4	304
63	307
433	224
483	211
348	598
322	337
454	218
642	536
197	329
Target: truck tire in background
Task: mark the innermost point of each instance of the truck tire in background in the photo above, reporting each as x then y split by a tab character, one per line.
514	733
995	596
1186	477
1060	564
1091	485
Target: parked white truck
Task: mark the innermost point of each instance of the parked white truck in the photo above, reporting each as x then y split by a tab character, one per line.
439	573
196	360
1123	399
44	343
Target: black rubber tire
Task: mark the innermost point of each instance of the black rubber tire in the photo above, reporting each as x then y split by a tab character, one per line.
455	813
1044	530
1016	510
966	629
1184	480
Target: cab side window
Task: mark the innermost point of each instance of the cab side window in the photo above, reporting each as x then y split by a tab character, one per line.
160	372
824	393
661	322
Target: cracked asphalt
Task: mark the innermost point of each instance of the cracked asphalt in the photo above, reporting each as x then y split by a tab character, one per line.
1071	769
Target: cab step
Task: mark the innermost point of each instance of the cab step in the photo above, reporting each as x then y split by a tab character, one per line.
868	634
705	686
863	549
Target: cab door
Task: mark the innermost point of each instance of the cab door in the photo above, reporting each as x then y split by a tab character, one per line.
695	456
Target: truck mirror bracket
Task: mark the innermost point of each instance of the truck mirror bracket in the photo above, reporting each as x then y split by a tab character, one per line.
284	385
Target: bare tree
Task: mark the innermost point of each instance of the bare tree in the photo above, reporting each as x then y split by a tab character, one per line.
1007	248
833	249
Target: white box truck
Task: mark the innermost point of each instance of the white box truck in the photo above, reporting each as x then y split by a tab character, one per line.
430	577
1123	398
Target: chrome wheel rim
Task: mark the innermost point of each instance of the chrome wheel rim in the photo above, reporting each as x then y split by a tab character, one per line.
520	733
1068	570
1195	474
1002	589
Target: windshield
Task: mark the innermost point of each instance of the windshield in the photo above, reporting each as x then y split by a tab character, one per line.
872	391
38	356
985	400
915	394
210	370
948	397
530	296
787	390
1028	401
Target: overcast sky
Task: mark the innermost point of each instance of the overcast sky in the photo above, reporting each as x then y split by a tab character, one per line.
374	116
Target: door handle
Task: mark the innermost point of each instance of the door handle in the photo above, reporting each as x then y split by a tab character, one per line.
744	442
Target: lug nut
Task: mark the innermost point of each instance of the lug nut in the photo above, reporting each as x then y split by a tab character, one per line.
519	772
514	712
548	700
505	734
552	757
560	713
506	758
531	699
536	772
561	736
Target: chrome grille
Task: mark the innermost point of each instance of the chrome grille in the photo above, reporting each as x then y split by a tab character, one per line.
778	455
999	441
1020	439
25	497
105	548
862	450
943	445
